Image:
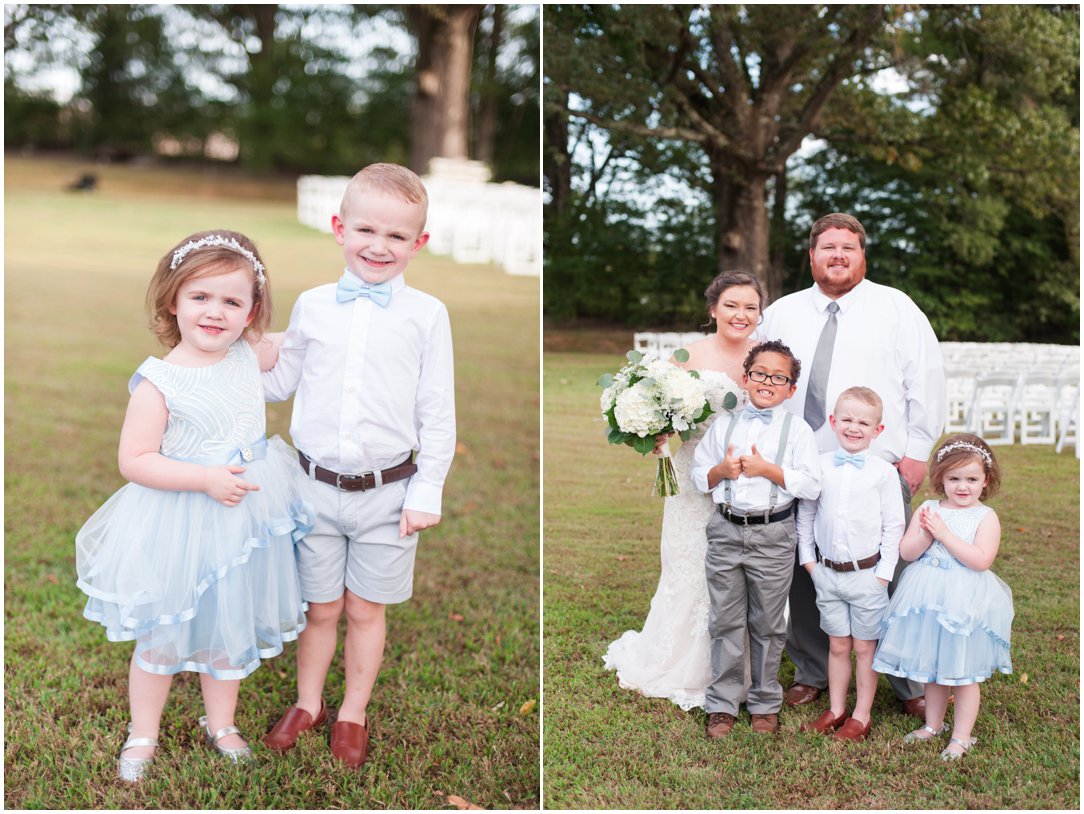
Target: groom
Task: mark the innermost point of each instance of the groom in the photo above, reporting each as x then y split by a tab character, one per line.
849	331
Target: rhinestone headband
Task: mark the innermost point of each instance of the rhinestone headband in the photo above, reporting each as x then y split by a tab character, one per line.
227	243
964	445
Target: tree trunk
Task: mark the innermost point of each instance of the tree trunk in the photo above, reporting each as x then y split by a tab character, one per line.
556	161
743	221
440	119
486	130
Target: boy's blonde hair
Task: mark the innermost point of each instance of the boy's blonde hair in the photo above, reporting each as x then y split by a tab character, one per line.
183	263
390	179
864	395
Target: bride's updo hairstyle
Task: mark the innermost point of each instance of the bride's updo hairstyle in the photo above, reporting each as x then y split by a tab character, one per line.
730	279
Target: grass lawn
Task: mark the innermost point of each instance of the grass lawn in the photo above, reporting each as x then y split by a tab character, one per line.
452	710
605	747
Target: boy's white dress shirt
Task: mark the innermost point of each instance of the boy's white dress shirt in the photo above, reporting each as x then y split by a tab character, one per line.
801	474
857	514
371	385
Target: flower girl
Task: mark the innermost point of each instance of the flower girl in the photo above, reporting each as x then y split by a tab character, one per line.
949	621
193	559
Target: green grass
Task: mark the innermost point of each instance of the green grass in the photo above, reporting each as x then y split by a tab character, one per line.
605	747
462	654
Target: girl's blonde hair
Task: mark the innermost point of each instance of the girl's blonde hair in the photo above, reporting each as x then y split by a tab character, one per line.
206	254
958	450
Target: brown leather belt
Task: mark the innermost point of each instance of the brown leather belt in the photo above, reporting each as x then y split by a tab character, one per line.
358	483
868	562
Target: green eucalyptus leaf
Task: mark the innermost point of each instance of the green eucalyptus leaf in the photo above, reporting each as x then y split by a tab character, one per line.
634	356
681	355
730	401
605	380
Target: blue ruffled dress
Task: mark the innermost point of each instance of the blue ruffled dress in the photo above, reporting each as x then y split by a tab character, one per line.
198	585
947	623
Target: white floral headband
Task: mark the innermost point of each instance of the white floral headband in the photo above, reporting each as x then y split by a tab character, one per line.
226	242
965	445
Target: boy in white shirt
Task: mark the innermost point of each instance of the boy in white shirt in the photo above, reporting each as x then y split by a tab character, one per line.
374	425
755	463
856	524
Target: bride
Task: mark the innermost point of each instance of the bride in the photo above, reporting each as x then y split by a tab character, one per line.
671	657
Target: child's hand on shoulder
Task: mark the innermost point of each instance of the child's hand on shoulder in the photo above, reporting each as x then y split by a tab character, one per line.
413	521
222	484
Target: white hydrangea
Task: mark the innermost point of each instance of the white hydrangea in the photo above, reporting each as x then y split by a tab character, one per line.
637	411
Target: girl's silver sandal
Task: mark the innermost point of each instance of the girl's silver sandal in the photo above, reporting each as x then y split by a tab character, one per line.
132	769
911	737
236	754
965	745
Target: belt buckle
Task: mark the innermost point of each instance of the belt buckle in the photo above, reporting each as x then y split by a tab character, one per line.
338	482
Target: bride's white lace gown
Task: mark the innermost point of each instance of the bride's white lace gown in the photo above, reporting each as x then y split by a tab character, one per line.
671	656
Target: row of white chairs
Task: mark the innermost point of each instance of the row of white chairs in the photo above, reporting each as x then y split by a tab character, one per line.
1004	392
472	221
1032	407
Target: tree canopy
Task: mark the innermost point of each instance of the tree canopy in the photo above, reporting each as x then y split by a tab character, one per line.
683	140
306	88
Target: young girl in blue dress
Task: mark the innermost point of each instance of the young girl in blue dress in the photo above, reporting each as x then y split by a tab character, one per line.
193	559
948	622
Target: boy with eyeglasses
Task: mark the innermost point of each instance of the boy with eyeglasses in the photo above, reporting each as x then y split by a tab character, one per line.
756	466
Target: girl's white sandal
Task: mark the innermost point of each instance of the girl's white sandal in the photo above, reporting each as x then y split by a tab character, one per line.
132	769
236	754
911	737
965	745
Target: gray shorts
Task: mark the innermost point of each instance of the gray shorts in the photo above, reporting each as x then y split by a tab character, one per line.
852	603
355	544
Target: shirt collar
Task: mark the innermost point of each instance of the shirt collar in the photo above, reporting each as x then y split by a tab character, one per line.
821	300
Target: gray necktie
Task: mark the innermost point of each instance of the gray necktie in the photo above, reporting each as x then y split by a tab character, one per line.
818	374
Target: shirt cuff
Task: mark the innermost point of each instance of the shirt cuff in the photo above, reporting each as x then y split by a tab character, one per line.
423	497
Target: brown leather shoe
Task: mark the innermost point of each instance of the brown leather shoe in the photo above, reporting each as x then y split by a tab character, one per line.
798	694
827	722
915	707
283	735
719	725
852	730
764	724
350	742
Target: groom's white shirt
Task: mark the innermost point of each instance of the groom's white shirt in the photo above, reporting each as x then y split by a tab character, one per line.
372	384
884	342
801	470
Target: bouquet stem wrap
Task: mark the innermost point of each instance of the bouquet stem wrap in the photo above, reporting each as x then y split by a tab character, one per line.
666	484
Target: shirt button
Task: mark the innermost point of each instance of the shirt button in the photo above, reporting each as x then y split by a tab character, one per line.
935	562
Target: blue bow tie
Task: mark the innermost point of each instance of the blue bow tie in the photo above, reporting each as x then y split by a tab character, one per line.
858	459
752	412
350	288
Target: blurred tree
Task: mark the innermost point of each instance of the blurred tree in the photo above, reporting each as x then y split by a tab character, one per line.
440	116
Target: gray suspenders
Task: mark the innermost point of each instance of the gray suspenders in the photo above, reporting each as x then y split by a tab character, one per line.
773	495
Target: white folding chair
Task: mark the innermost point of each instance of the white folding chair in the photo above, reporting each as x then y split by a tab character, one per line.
1068	426
1037	407
992	415
960	390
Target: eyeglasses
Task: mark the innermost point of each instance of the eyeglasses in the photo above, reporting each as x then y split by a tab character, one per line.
778	379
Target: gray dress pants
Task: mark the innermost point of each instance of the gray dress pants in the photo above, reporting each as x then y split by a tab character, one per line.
748	572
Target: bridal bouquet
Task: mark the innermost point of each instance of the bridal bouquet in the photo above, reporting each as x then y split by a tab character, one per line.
650	396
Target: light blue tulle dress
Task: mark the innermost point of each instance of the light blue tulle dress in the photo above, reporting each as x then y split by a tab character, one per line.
947	623
198	585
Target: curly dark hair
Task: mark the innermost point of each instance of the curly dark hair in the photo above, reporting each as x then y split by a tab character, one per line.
774	346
